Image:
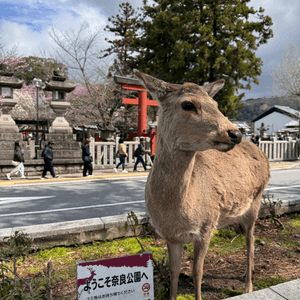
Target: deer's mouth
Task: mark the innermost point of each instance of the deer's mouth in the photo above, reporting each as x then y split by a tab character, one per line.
224	147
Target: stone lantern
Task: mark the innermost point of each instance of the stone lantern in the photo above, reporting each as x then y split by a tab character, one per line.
59	87
9	131
66	152
7	85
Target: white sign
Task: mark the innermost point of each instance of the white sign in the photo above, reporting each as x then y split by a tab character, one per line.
121	278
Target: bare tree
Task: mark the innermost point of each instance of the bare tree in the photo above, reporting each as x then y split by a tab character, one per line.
286	75
78	51
95	99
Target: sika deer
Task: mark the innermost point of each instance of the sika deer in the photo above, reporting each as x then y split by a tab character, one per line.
204	177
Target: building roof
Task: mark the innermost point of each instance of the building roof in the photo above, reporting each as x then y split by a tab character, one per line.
239	124
286	110
292	123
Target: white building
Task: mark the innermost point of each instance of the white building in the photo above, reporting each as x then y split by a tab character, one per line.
275	119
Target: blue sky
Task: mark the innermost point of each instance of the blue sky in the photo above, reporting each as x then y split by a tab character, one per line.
26	23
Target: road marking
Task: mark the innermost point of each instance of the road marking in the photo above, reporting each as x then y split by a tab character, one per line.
9	184
20	199
70	208
282	187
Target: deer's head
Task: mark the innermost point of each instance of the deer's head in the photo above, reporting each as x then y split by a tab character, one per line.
189	119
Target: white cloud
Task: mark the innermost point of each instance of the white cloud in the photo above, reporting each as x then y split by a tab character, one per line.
30	25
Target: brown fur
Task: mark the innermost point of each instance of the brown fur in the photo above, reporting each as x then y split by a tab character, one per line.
200	181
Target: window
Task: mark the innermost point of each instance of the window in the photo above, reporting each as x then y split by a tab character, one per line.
7	91
59	95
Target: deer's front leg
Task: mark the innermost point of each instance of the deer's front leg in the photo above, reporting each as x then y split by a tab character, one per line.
175	251
200	249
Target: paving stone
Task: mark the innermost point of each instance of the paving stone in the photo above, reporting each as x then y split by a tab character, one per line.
265	294
289	290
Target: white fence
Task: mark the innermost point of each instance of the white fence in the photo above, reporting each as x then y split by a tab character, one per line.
280	150
104	153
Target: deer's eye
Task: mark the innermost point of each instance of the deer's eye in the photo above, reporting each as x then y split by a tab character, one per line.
188	106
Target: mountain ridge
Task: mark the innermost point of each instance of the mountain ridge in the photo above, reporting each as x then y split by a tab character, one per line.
256	107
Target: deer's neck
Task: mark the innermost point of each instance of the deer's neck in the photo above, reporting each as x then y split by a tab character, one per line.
172	171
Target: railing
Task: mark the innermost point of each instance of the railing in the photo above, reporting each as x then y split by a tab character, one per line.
104	153
280	150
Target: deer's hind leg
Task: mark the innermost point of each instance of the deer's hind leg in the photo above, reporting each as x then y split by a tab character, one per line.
175	251
249	225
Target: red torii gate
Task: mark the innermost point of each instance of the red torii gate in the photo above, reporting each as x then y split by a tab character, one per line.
142	101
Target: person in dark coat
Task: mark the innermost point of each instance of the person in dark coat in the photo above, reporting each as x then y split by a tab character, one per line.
18	161
47	154
141	151
87	159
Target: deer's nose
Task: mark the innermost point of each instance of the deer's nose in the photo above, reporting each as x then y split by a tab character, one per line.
235	136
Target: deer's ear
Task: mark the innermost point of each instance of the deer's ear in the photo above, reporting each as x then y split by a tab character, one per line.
212	88
158	88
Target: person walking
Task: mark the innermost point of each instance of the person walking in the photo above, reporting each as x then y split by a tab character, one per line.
47	154
18	161
87	158
253	138
138	153
122	156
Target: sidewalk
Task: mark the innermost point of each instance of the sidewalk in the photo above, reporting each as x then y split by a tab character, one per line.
84	231
70	178
284	291
109	174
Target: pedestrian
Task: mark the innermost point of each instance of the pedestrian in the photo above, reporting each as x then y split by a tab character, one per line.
138	153
256	142
87	158
18	161
122	156
47	154
253	138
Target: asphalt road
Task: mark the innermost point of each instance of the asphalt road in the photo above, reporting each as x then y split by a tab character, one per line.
41	204
284	185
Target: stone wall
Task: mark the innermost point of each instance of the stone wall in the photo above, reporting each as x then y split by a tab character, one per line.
35	167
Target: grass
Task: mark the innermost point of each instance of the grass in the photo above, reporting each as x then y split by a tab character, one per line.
269	281
224	241
229	292
67	256
189	297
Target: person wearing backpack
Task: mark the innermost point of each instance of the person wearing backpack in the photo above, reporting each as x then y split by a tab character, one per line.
122	156
87	158
138	153
47	154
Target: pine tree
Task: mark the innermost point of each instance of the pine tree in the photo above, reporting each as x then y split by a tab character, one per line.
201	41
125	25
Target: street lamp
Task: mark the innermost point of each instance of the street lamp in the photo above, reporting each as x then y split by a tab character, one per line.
38	83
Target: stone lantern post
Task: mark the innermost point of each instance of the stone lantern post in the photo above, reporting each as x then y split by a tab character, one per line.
66	152
59	88
9	131
7	85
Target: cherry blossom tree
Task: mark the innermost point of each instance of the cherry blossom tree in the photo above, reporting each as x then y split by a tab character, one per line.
25	109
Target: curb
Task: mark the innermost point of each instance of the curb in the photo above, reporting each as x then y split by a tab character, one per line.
76	232
287	206
285	291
